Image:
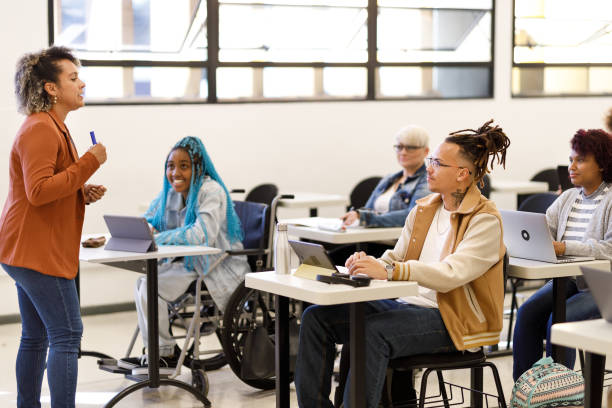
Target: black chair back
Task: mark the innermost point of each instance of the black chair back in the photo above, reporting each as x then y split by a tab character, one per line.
362	191
263	193
550	176
485	190
538	203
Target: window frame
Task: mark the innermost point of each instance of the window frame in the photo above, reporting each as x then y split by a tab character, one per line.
212	63
549	65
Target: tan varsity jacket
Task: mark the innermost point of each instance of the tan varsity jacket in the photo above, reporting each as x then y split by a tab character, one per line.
469	276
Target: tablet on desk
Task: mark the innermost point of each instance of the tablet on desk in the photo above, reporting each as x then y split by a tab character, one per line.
130	234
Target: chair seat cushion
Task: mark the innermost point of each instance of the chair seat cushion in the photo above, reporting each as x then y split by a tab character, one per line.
455	359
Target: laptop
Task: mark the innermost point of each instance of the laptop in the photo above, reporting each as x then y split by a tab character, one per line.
315	255
526	235
564	180
130	234
600	284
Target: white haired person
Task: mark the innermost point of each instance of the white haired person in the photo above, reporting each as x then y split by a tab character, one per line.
396	194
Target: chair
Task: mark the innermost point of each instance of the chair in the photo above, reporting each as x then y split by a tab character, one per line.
549	176
485	190
362	191
438	362
245	310
537	203
263	193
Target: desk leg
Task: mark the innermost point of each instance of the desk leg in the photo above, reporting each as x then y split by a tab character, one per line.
595	365
357	391
153	323
281	350
153	350
558	314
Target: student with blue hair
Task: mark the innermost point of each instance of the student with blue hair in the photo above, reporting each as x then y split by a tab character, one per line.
193	208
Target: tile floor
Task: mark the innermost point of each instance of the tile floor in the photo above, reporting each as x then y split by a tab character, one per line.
110	334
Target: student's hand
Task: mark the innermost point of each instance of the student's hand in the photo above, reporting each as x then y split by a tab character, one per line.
99	151
559	247
94	192
368	265
349	218
351	259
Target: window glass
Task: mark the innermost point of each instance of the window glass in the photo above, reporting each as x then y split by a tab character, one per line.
550	34
150	30
291	31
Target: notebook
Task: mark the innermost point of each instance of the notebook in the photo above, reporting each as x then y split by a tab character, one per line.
600	284
130	234
526	235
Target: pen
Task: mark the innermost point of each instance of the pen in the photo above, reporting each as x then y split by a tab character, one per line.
93	137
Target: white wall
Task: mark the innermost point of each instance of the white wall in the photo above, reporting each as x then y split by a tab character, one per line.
322	147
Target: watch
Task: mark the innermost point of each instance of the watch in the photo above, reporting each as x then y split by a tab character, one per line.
390	268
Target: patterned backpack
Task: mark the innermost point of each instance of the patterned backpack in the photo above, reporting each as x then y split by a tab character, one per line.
548	384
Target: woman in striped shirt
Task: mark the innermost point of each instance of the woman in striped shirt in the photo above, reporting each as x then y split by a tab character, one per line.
580	221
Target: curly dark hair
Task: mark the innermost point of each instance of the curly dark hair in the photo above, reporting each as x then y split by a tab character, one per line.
597	142
477	145
608	120
33	71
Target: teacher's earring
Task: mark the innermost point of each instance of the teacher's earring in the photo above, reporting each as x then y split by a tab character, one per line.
54	99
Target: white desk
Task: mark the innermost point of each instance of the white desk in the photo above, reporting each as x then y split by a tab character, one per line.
287	286
313	201
350	236
519	187
559	273
147	263
595	338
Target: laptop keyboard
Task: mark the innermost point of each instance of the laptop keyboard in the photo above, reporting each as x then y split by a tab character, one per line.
565	259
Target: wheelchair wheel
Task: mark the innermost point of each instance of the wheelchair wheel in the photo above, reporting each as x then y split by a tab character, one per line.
199	380
242	306
212	363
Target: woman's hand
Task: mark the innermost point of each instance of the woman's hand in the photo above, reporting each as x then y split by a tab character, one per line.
349	218
559	247
99	151
359	262
93	192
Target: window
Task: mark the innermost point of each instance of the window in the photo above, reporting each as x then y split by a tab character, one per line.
562	48
151	51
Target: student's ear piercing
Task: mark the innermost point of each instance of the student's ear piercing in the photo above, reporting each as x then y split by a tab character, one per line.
54	99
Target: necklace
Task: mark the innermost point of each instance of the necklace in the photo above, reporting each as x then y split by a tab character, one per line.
438	222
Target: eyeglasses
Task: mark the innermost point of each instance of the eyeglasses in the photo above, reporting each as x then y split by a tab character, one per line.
436	164
399	147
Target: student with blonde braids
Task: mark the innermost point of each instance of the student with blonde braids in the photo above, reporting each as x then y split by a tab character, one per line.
452	246
193	208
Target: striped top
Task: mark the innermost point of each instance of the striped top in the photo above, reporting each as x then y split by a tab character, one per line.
581	213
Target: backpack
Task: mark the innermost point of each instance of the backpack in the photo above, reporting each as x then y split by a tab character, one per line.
548	384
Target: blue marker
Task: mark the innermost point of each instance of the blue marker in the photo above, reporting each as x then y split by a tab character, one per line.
93	137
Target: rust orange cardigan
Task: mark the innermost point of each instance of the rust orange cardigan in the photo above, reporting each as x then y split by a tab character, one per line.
42	220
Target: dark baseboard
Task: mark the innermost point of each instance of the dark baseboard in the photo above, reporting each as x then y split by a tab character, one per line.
85	311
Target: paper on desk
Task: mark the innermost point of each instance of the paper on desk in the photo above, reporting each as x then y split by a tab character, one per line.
310	271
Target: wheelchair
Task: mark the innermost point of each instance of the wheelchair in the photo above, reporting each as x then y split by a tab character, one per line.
246	309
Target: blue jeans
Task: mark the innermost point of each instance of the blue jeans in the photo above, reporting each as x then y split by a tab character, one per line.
392	330
50	318
533	321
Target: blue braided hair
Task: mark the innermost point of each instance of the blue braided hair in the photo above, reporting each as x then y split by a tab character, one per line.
201	166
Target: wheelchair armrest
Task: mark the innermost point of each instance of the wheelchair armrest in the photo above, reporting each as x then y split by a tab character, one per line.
254	251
